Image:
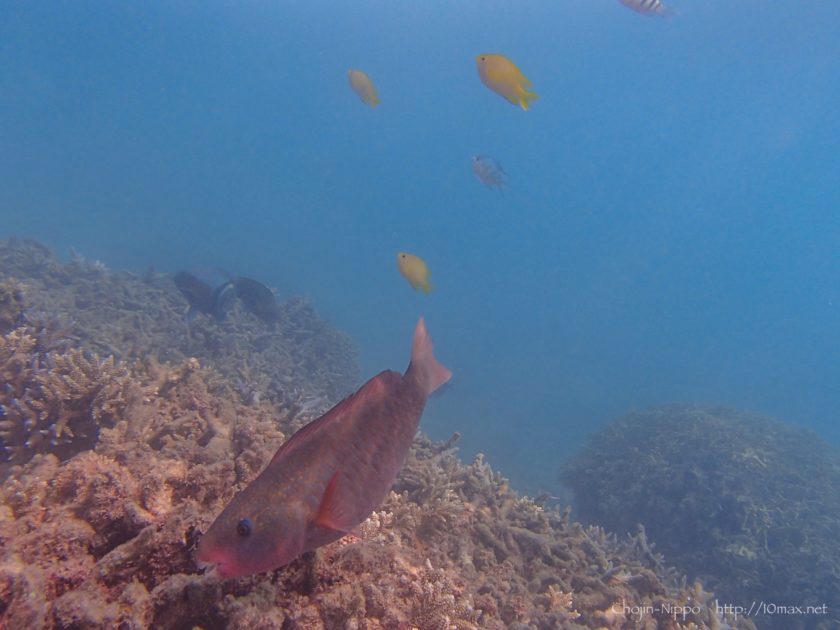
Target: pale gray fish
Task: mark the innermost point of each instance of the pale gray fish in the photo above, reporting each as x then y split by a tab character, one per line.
489	172
646	7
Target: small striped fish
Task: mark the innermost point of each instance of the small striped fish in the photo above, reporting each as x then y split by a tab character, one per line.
646	7
489	172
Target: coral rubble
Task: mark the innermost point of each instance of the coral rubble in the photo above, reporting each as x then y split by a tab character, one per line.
747	504
103	535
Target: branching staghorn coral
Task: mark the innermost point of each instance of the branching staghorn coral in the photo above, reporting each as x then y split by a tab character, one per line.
750	504
439	605
299	360
75	381
16	350
107	537
55	401
12	304
106	540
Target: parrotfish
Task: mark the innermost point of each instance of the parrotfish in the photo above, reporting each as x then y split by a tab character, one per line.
258	299
329	476
202	298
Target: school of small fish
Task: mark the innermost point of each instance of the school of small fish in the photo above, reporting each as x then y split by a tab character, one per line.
502	76
330	475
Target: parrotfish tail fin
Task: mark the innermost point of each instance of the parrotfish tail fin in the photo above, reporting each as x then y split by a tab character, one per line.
431	373
427	287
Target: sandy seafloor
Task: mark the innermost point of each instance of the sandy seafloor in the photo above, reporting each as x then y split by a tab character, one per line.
127	429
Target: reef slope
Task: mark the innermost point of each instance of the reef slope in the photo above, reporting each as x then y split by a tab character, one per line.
747	504
142	444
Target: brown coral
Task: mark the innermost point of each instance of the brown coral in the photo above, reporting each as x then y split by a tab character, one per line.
55	401
440	605
131	317
12	304
746	502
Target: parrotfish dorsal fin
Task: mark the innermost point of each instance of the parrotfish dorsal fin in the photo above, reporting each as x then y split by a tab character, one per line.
331	513
313	427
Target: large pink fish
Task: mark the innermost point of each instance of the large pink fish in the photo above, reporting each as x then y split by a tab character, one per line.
329	476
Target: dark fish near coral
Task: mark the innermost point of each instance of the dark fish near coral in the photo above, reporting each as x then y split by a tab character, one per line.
489	172
329	476
203	298
258	299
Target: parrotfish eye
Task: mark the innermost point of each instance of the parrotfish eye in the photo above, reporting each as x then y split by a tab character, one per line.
243	527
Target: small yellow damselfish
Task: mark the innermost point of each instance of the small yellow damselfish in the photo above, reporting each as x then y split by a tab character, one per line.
414	269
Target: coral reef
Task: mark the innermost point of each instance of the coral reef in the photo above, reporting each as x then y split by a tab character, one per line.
746	504
12	304
106	539
55	401
103	535
300	361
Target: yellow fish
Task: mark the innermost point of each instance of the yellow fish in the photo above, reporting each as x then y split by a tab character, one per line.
502	76
363	86
414	269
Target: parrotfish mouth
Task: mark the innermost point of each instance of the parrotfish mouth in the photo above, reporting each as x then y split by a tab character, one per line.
215	565
211	569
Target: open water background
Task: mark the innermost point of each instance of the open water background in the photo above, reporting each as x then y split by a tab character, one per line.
671	232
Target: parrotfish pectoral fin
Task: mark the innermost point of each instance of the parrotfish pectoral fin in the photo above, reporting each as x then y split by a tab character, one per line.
432	373
331	514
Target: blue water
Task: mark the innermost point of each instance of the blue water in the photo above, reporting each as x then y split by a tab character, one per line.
671	231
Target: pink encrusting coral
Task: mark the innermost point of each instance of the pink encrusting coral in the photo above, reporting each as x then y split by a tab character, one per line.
106	537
